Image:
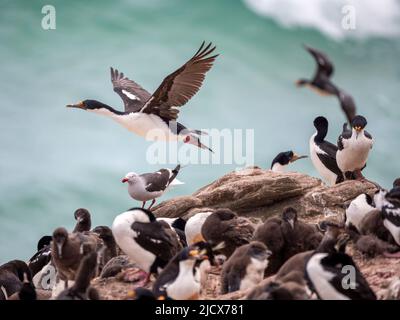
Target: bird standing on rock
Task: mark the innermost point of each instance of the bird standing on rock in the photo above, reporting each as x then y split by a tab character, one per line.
323	153
148	242
353	148
226	226
149	186
68	249
154	116
283	159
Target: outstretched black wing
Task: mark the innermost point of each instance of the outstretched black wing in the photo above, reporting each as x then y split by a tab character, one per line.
131	93
324	65
347	104
180	86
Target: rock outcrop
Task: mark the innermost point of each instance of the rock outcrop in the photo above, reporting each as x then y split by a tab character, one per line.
262	193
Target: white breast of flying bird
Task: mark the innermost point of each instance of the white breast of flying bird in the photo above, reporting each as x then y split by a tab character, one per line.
149	126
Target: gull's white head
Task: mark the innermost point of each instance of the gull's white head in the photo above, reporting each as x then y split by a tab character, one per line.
130	177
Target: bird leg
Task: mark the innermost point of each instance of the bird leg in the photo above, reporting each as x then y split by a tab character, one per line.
152	203
135	275
392	255
143	203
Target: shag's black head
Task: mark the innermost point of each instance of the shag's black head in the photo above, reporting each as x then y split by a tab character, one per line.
396	183
43	242
359	123
321	124
93	105
179	223
302	82
284	158
147	212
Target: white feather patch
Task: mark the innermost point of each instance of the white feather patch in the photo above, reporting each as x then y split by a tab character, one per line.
130	95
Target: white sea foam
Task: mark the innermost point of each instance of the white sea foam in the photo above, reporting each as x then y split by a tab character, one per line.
373	18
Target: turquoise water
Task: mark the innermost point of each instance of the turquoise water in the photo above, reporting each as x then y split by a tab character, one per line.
55	160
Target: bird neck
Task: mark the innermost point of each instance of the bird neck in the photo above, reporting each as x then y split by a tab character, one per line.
321	134
107	111
277	167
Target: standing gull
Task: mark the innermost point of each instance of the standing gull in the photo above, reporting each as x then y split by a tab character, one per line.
149	186
154	116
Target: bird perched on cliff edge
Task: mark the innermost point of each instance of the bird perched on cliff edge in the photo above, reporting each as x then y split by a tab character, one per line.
323	153
154	116
353	148
283	159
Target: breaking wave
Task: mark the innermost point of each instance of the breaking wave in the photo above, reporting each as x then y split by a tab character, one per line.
372	18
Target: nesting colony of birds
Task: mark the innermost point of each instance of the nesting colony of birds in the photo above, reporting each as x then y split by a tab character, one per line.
283	257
